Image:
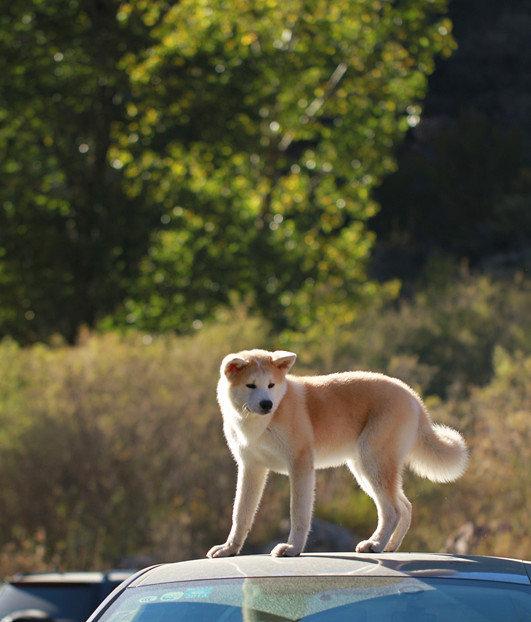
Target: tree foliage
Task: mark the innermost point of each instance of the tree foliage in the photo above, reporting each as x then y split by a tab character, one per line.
162	159
262	132
70	237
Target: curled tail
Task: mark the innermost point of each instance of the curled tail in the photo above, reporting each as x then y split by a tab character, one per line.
440	452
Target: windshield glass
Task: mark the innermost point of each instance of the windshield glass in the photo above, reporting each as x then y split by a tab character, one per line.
323	599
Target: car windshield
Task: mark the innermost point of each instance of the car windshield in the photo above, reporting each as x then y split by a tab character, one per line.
323	599
62	602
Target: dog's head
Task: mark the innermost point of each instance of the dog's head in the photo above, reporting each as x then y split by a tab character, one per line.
256	379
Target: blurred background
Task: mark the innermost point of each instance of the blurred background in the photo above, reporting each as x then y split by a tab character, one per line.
181	179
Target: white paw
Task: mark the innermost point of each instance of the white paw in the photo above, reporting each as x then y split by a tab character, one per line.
224	550
285	550
369	546
391	547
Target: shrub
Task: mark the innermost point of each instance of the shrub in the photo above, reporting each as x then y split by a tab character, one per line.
25	555
440	340
493	495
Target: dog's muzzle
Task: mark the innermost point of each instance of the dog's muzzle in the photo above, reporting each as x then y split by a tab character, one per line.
266	406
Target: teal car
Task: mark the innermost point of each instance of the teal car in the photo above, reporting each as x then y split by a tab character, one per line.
326	587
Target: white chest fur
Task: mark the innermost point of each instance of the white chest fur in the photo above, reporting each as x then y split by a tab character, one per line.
256	438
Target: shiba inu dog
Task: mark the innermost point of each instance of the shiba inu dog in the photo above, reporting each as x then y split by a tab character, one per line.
374	424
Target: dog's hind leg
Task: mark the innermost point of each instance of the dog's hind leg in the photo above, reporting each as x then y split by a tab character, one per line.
379	480
404	522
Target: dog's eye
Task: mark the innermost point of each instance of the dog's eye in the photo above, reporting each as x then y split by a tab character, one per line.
251	386
270	385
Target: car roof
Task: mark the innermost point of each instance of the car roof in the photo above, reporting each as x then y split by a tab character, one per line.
114	576
417	565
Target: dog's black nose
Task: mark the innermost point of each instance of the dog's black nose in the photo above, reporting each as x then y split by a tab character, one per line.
266	405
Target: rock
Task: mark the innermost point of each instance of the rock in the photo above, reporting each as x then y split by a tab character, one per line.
324	537
465	539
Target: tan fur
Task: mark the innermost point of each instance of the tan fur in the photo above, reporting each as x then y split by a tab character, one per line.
370	422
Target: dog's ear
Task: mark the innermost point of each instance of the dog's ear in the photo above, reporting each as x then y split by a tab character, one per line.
232	364
283	360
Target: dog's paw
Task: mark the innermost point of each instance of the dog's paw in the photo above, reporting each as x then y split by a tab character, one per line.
369	546
224	550
285	550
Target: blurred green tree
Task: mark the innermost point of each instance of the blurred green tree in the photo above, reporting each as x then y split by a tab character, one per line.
262	132
70	237
166	158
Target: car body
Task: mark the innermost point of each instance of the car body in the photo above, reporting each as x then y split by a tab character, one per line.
61	597
326	587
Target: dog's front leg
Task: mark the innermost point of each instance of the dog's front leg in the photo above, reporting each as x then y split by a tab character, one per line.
249	489
302	492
